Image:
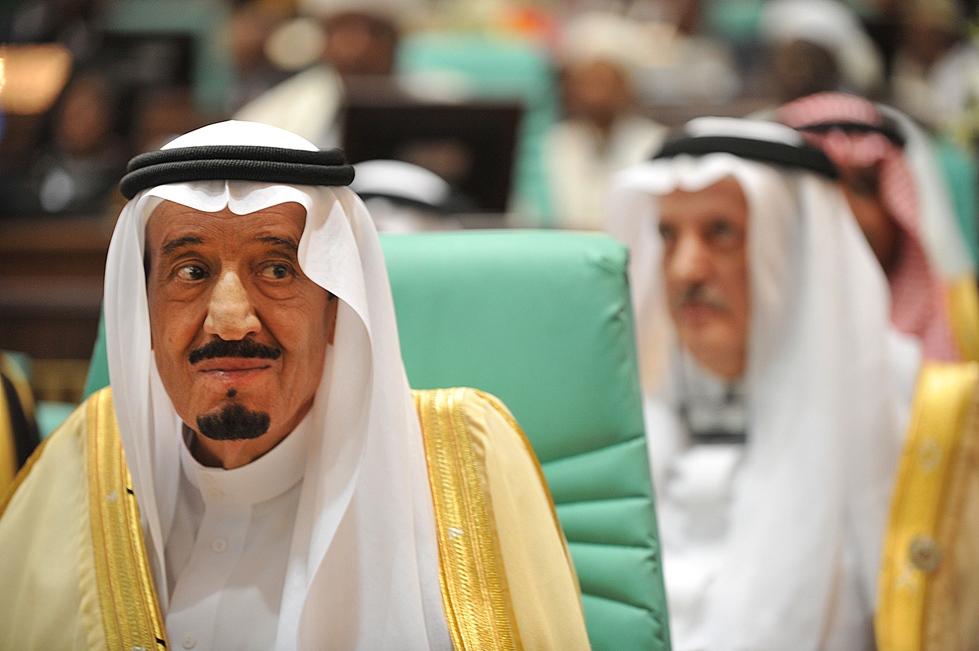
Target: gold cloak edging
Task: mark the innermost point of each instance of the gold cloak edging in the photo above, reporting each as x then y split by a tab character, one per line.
471	444
130	610
963	308
928	593
9	456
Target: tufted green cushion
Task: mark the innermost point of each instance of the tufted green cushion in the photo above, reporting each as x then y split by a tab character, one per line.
543	321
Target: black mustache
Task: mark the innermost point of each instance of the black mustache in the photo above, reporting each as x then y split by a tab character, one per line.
233	348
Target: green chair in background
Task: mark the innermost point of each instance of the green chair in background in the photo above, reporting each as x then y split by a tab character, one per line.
543	321
961	175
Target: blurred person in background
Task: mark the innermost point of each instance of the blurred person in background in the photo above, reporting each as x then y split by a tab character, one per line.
69	22
818	45
603	131
87	156
361	37
404	198
684	64
935	75
345	40
78	167
883	193
250	30
775	389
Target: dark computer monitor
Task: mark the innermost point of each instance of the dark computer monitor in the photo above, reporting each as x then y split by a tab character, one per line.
470	145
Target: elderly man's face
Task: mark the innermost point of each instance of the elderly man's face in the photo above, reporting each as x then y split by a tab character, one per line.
239	332
705	266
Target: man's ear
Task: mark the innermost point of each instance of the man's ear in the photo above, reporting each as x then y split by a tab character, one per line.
331	317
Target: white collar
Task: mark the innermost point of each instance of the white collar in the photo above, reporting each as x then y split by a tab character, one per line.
265	478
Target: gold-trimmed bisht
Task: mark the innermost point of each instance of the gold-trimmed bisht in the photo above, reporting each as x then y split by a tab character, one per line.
127	597
471	575
932	517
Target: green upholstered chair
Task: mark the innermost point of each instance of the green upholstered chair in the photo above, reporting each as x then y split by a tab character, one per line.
959	169
543	320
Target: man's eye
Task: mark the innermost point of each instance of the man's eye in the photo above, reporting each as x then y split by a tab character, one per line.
721	229
724	234
668	233
190	272
276	271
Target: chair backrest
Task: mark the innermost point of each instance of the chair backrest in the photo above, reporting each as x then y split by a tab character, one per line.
543	321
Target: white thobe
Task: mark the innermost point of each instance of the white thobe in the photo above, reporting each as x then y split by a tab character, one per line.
695	531
696	489
580	164
694	513
228	548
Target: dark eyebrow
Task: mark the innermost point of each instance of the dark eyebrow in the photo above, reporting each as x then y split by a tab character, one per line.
187	240
280	241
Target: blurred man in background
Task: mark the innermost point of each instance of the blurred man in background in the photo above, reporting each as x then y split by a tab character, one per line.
603	131
358	38
818	45
935	76
773	405
884	195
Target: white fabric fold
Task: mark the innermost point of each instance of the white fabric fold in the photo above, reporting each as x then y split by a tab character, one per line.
363	568
821	396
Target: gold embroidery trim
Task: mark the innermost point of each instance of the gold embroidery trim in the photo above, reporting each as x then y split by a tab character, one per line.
130	611
944	411
963	307
8	448
23	388
471	573
501	409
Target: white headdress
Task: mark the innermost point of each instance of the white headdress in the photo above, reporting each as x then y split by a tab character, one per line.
363	566
833	26
943	238
822	416
606	36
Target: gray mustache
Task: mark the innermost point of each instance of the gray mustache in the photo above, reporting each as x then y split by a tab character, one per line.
699	293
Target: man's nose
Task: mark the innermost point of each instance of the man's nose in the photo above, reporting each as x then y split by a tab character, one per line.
230	313
690	260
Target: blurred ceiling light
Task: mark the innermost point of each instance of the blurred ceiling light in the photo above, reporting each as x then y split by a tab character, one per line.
32	77
295	44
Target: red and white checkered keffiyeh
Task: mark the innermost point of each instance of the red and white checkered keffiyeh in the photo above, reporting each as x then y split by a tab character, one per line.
918	301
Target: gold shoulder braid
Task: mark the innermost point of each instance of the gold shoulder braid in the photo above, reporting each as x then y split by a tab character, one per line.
929	582
23	388
474	588
130	611
8	448
963	307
